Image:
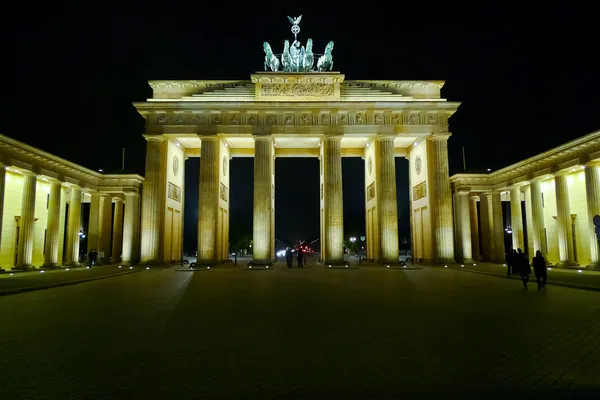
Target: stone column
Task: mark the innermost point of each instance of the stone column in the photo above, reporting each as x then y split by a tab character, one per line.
498	228
117	236
440	198
487	225
387	206
564	221
2	185
53	226
592	188
154	198
94	223
105	226
474	219
73	227
333	209
530	251
131	229
464	227
262	224
538	235
27	221
516	219
208	201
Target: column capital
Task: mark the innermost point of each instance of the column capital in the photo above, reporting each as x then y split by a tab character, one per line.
262	137
332	136
474	196
208	137
385	136
154	138
439	136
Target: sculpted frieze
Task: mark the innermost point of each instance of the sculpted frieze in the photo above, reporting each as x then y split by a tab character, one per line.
297	89
300	118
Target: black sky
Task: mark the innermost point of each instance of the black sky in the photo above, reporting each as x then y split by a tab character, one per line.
525	86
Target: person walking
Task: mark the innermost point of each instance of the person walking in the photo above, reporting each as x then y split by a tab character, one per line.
300	257
522	264
509	262
289	257
541	272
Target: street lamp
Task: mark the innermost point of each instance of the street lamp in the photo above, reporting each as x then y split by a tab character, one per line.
353	239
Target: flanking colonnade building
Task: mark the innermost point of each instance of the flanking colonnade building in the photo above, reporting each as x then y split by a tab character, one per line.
41	199
552	199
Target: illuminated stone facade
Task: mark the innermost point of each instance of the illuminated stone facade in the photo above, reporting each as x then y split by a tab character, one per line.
557	191
37	189
297	115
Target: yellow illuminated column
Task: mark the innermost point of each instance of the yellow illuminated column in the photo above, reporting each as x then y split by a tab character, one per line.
263	187
386	199
104	242
538	235
564	221
516	219
498	228
93	235
117	236
208	203
2	185
473	217
53	226
592	188
333	210
487	224
131	228
463	226
528	221
440	198
73	227
153	202
26	229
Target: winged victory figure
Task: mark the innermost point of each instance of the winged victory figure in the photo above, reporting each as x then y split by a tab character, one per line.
295	21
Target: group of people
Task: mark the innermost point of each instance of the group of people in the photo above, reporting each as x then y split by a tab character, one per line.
93	257
289	257
518	263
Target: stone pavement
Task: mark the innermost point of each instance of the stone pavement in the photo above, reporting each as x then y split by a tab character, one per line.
17	282
299	333
585	279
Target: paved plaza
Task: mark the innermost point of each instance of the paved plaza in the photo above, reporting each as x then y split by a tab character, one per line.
299	333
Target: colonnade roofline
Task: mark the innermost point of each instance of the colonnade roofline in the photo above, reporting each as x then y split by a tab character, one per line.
243	90
21	157
565	158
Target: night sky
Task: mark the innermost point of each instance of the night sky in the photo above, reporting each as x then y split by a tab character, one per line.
525	86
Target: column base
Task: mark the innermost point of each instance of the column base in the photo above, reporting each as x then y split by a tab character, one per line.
24	268
594	267
73	264
338	264
567	264
258	265
50	266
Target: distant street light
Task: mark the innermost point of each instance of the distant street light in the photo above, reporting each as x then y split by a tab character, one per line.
353	239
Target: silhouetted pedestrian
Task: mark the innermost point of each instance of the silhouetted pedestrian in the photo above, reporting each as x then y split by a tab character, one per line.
509	262
539	267
300	257
289	257
524	267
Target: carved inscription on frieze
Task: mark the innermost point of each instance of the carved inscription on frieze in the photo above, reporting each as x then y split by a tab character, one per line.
297	89
272	118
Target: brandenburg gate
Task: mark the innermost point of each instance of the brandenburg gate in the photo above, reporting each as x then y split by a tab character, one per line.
294	110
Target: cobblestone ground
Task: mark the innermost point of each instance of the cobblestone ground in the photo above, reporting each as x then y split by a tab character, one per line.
299	333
